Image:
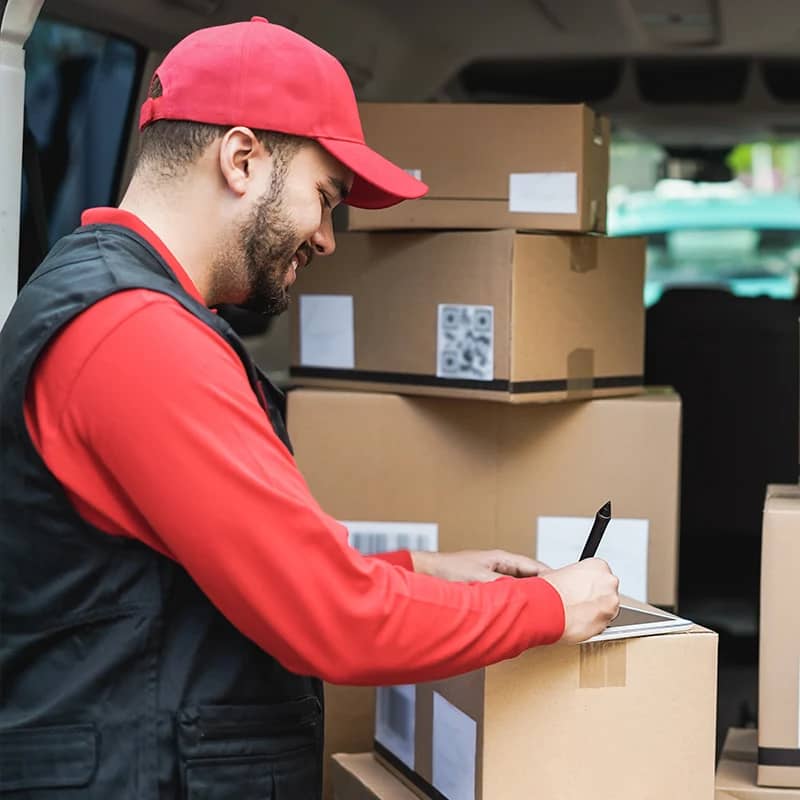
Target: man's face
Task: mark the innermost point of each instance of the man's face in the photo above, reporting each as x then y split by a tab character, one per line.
289	224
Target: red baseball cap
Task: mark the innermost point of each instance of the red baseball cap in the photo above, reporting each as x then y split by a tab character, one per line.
269	78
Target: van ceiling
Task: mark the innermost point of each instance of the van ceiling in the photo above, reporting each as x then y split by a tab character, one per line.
681	72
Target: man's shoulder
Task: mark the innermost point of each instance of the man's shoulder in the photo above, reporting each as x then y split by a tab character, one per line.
118	326
123	311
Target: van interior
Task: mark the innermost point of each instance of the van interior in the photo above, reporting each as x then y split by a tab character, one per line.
704	102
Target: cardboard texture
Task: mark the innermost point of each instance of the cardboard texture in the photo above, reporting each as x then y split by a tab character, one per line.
779	656
565	318
467	153
360	777
736	770
626	719
486	472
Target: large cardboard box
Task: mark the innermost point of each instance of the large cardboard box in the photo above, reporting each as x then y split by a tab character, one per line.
535	167
484	475
779	658
622	719
359	776
736	770
493	315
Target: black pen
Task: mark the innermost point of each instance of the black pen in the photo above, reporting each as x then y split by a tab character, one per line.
601	520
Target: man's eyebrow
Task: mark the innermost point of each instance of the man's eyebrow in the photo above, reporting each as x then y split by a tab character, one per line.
339	186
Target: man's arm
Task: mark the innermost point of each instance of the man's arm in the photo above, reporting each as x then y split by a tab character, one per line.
162	407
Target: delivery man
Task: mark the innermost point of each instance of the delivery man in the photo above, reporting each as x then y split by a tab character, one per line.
169	583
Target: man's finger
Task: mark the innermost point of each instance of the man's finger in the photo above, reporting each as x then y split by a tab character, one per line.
518	566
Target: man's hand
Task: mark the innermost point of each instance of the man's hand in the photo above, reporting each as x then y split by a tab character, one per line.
590	592
476	565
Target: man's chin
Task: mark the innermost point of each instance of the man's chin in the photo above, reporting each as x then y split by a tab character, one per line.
268	307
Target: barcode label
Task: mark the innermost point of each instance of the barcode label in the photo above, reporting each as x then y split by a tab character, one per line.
395	710
383	537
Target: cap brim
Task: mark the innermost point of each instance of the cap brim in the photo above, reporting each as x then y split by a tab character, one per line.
377	183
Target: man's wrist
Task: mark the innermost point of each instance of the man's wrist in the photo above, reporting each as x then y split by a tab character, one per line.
422	561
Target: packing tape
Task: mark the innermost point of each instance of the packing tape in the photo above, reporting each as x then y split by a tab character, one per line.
583	253
779	757
603	664
580	373
597	131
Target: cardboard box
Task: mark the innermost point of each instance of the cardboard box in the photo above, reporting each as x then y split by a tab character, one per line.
626	719
485	475
361	777
779	648
349	726
492	315
736	770
532	167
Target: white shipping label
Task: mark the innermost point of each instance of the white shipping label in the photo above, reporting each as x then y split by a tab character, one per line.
327	338
465	342
455	740
395	712
383	537
415	173
543	192
560	540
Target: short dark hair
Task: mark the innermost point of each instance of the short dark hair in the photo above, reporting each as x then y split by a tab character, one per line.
170	146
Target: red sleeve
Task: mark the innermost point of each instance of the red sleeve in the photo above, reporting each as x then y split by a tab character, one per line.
159	411
401	558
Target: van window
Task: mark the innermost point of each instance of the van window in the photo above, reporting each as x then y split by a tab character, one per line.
737	232
79	96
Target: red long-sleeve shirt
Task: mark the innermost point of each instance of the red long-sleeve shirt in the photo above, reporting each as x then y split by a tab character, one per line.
146	417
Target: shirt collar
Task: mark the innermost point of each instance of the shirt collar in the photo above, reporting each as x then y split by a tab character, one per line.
125	219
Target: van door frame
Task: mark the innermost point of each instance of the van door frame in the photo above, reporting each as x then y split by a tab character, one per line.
15	28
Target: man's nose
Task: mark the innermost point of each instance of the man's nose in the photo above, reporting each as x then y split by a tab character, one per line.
324	241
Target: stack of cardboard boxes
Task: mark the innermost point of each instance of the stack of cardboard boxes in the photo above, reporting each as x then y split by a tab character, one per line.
456	337
757	765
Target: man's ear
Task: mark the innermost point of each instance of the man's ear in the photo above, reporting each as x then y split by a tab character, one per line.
238	151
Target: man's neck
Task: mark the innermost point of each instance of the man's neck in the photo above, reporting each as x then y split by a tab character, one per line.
175	217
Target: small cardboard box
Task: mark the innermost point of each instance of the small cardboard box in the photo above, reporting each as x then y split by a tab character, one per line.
360	777
492	315
779	656
736	770
627	719
531	167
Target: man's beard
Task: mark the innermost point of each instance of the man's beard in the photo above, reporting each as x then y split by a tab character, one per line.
267	242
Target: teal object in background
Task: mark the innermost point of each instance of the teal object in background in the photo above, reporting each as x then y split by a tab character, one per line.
642	213
746	242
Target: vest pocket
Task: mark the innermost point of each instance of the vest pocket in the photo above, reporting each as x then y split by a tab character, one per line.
52	757
268	752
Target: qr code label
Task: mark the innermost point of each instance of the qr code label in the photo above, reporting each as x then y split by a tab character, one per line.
465	342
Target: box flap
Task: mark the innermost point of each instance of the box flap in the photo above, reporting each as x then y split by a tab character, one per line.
360	777
577	309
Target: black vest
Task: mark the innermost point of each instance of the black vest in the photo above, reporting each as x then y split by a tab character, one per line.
118	675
